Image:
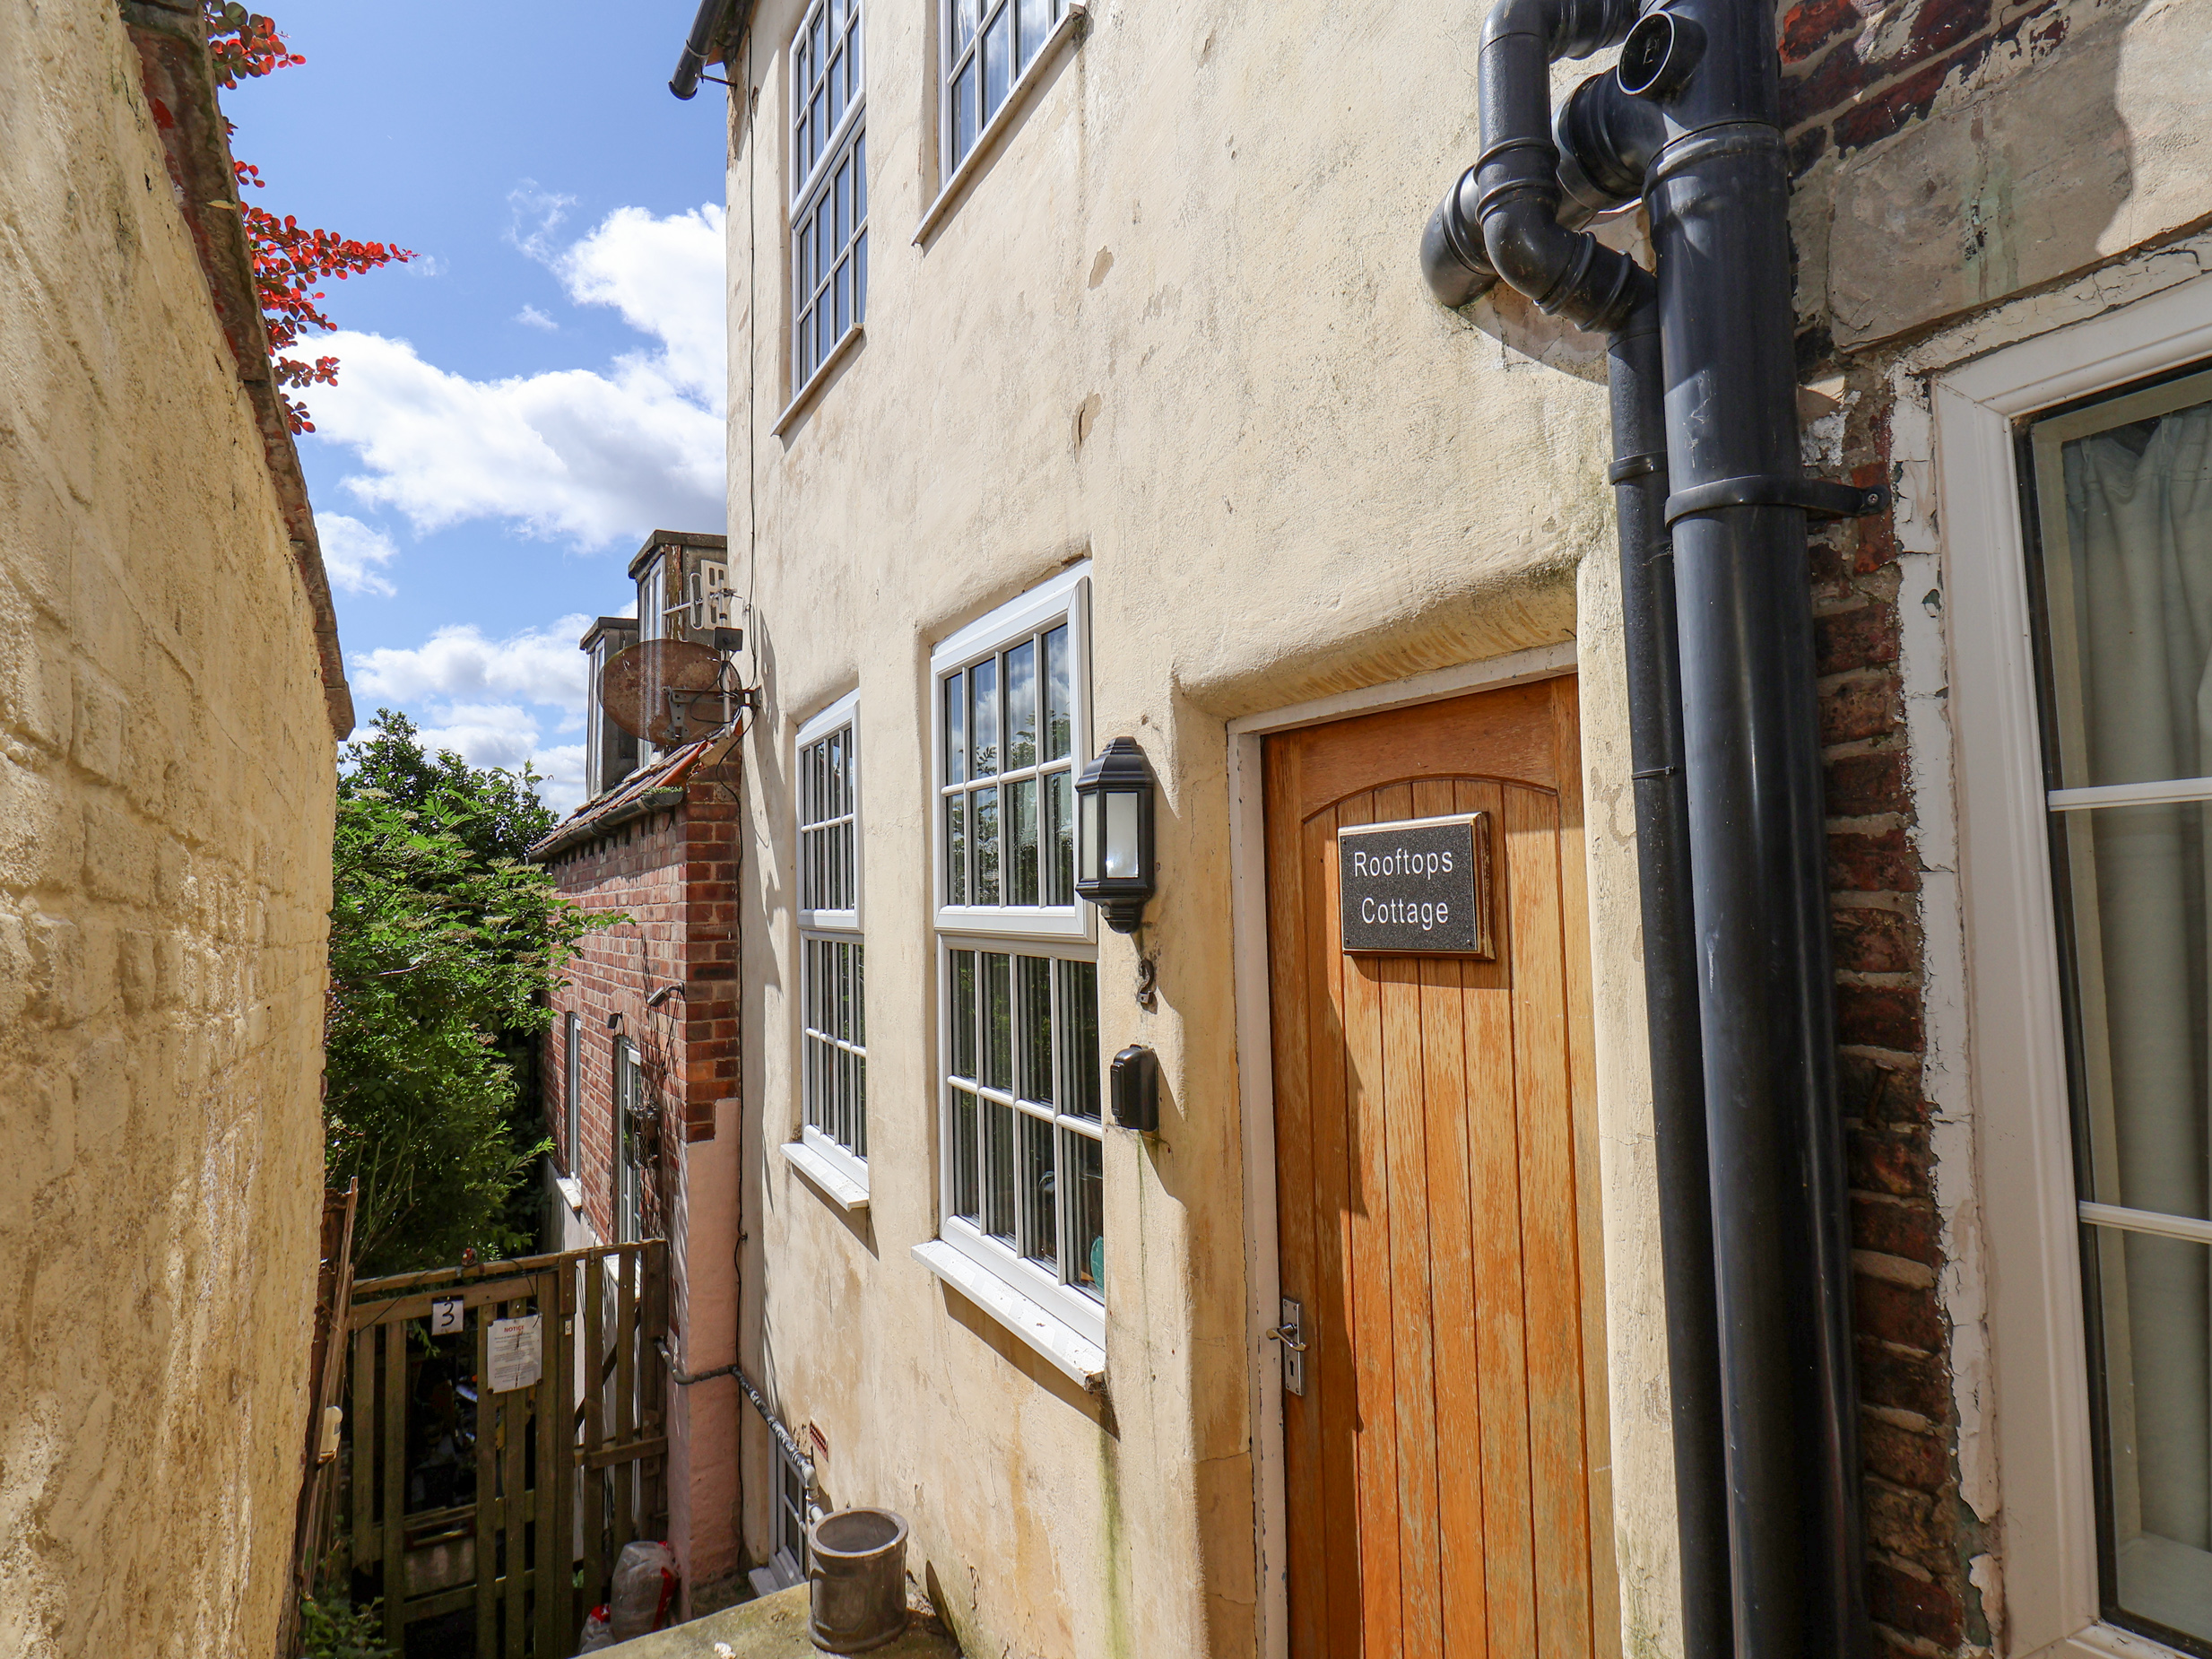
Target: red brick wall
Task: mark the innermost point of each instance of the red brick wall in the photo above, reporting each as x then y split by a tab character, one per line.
1920	1535
673	873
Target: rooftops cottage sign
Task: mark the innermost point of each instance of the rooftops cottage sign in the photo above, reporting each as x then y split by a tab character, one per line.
1419	886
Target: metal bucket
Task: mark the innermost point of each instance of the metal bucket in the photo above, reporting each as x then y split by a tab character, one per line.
857	1583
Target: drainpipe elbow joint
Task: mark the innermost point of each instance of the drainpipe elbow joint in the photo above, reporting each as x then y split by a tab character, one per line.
1453	260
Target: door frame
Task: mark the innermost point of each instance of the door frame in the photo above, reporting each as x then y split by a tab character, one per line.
1255	1066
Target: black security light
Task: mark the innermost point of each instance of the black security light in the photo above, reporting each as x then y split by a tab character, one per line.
1114	834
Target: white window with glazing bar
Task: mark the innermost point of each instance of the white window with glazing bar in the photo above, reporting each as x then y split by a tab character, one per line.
829	185
1020	1133
990	46
833	1022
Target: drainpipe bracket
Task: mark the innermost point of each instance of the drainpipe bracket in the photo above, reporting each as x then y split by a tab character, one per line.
1820	498
1631	467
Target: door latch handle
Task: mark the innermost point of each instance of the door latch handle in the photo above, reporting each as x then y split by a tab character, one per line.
1291	1333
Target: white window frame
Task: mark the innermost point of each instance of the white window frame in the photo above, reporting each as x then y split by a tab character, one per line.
1066	596
628	1218
2013	1013
572	1092
652	599
833	926
811	191
1069	931
953	58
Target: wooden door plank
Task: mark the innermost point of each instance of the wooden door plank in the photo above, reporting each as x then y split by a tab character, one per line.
565	1474
1451	1273
487	1487
1558	1456
362	1443
1500	1313
1333	1379
1589	1209
1443	991
1502	734
1403	1086
394	1378
548	1613
592	1484
630	1261
652	1385
1294	1196
514	1516
1372	1327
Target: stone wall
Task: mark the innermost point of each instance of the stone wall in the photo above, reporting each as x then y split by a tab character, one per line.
166	781
673	873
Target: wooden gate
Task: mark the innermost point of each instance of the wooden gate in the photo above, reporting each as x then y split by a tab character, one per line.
488	1520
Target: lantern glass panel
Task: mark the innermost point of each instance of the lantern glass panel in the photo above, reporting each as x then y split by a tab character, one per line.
1090	844
1121	835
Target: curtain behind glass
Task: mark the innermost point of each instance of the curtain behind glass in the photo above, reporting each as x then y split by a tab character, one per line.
2134	686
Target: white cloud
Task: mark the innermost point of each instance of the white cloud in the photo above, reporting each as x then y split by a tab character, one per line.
425	265
506	735
545	211
492	702
531	316
352	552
459	665
596	457
665	277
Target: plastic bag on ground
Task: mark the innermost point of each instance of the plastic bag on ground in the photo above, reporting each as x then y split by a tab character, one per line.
597	1634
644	1590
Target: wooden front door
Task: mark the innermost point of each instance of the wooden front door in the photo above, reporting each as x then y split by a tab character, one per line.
1435	1169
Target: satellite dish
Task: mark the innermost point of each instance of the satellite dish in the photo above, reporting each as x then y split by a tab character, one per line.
667	692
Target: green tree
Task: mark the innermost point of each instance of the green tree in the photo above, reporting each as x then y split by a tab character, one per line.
444	945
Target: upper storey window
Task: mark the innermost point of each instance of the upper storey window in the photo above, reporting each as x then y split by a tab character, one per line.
989	45
1010	722
828	185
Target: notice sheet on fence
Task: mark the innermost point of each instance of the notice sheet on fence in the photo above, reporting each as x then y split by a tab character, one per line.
517	1354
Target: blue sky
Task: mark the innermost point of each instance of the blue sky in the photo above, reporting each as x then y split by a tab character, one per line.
544	385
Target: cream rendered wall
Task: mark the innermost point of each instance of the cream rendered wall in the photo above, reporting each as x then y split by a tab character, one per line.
1175	326
166	778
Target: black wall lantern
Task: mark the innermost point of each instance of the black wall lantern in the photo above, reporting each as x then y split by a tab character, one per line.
1113	837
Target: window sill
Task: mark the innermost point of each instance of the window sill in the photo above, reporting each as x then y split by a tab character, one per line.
803	398
1071	1352
989	141
840	1189
571	1192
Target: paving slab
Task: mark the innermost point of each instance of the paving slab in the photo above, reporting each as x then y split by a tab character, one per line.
771	1627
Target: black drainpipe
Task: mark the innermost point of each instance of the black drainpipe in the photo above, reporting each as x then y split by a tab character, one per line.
1725	746
710	24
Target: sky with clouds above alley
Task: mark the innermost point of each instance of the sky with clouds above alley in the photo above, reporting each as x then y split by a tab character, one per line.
543	385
